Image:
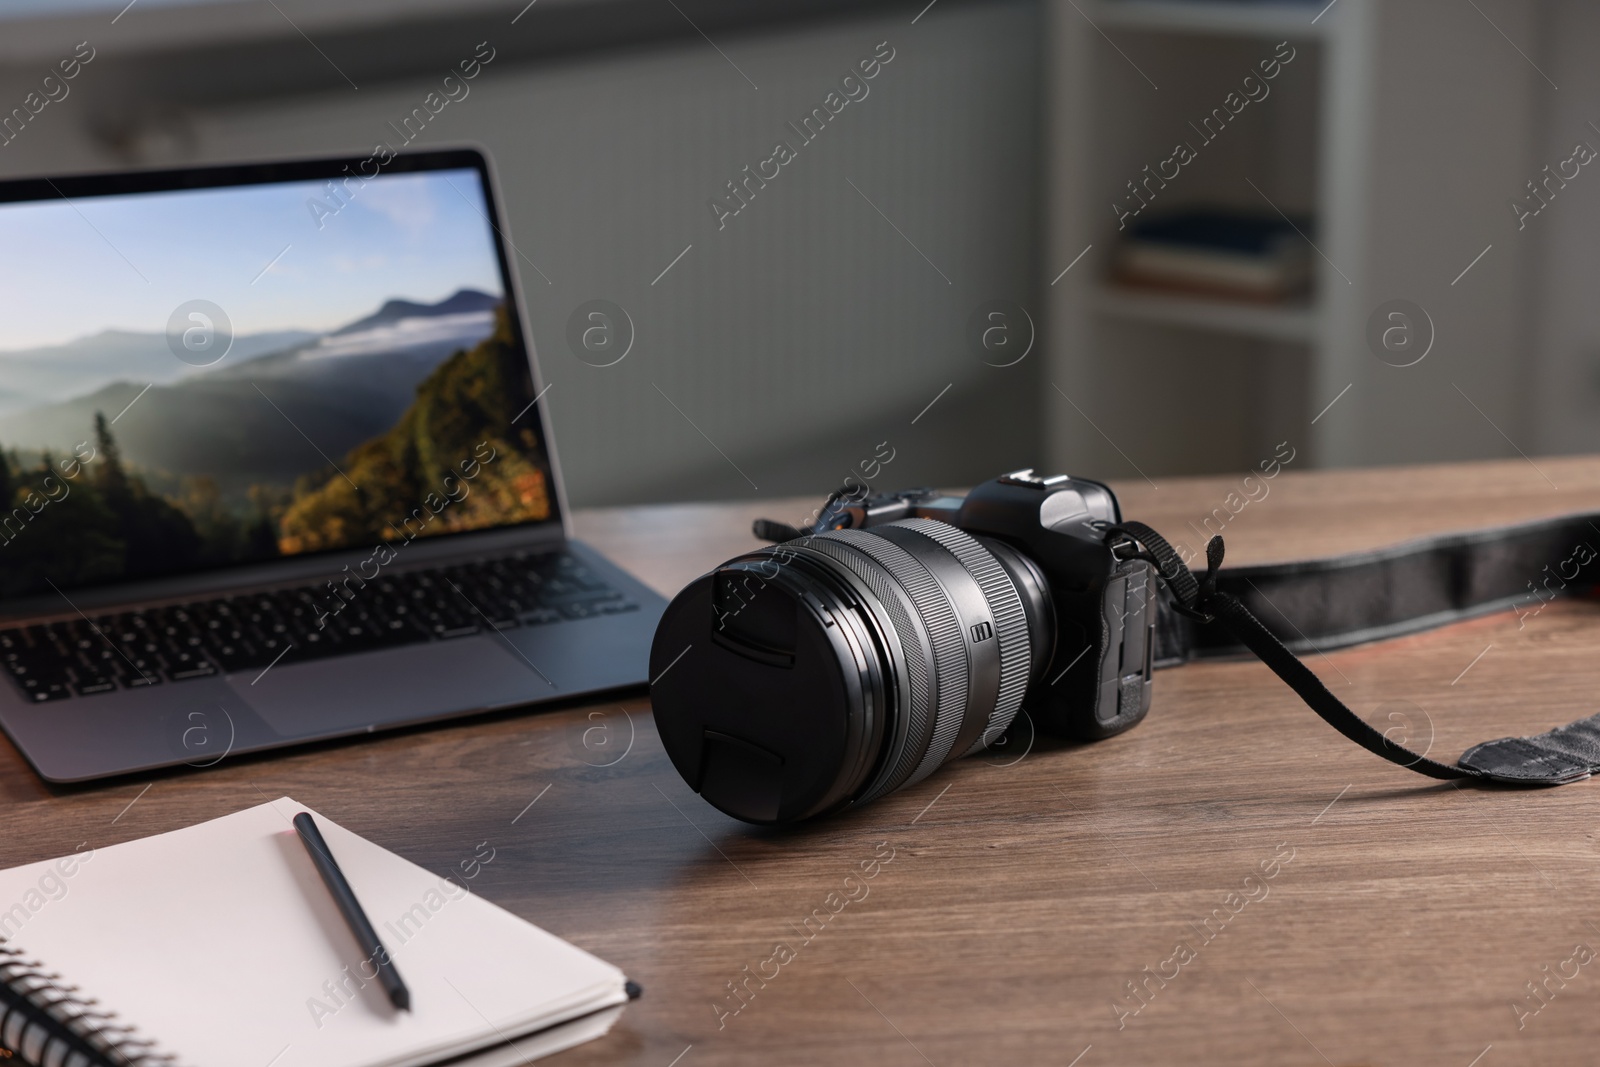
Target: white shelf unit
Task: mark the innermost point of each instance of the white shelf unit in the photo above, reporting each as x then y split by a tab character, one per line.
1295	322
1369	102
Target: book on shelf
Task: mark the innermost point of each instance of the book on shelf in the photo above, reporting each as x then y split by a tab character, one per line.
1217	252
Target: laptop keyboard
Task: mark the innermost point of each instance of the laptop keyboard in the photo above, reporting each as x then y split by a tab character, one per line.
253	631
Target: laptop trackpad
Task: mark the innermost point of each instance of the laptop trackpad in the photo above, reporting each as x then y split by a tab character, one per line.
410	683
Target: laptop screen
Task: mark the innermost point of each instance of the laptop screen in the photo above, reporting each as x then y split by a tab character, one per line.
270	361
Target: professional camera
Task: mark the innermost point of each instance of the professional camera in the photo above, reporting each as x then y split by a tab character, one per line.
898	632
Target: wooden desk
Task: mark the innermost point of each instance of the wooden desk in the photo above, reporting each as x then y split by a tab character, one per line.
1023	895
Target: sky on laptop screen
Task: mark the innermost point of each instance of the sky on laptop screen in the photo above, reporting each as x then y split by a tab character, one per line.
210	377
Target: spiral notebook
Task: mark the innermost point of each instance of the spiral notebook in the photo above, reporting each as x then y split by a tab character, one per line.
218	945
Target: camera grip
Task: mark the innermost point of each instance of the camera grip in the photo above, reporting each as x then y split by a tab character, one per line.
1099	684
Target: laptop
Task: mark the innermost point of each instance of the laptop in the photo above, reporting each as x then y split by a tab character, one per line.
277	467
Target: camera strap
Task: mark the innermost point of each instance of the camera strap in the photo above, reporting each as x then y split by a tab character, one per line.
1362	597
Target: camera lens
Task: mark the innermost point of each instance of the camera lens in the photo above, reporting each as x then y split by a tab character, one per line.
830	670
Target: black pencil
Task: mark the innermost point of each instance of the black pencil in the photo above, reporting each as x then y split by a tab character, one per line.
350	908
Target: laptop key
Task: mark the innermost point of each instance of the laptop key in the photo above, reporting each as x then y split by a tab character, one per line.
39	685
267	638
202	669
233	658
446	633
40	690
183	662
146	671
89	682
540	616
314	644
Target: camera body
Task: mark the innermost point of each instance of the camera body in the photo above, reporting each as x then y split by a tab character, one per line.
1097	682
896	633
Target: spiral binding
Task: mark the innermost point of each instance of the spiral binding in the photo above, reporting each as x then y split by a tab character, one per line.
44	1023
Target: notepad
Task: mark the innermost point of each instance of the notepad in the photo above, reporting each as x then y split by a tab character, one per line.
220	944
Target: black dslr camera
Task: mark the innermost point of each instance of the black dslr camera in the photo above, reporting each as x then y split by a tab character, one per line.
899	632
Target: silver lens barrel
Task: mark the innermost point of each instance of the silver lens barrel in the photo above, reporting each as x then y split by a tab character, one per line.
959	620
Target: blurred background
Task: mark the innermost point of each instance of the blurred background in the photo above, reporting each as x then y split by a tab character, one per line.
1124	238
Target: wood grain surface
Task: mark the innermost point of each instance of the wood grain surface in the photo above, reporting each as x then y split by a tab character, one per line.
1278	895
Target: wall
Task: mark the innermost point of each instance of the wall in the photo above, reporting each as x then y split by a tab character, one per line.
1454	114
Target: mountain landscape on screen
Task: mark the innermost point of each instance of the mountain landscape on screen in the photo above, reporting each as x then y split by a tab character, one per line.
40	376
348	384
296	441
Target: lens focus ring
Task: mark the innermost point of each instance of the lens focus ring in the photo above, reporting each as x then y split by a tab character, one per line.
912	761
1010	621
914	724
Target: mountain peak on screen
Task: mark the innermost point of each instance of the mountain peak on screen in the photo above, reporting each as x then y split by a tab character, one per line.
461	301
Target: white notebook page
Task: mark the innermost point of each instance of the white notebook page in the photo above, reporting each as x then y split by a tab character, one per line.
221	943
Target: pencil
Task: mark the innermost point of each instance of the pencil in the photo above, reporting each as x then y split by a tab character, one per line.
350	908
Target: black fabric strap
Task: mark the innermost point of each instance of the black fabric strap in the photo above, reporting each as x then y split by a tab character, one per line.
1320	605
1567	754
